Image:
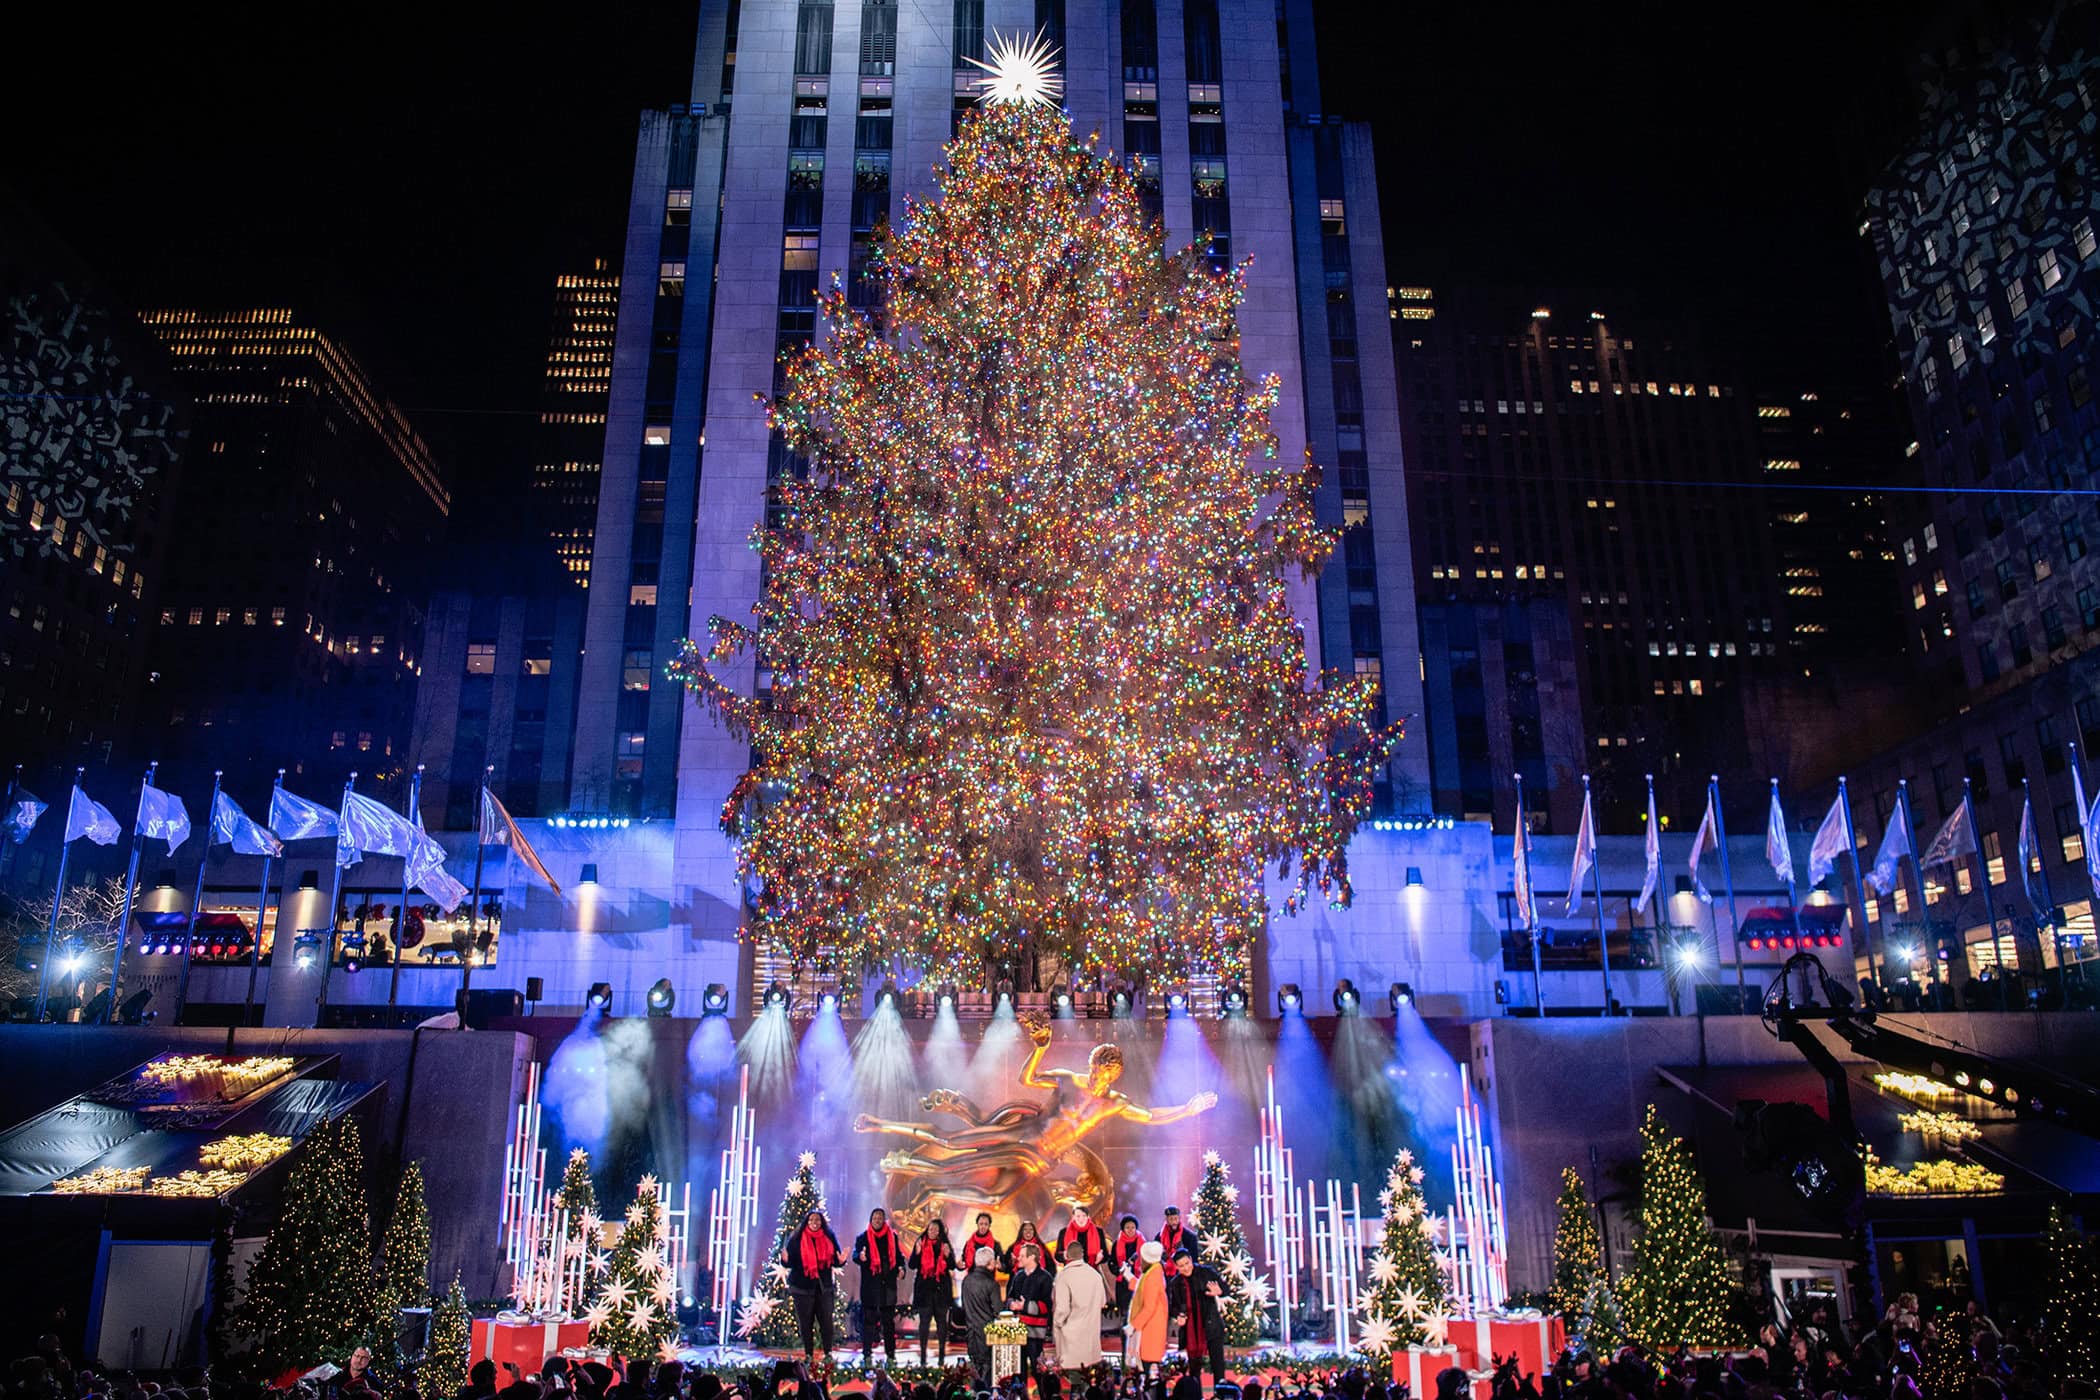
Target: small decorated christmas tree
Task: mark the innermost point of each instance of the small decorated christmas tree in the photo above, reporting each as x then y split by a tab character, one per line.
1406	1301
1677	1293
1582	1291
769	1314
1950	1361
577	1196
1221	1244
2071	1302
408	1242
634	1309
311	1293
444	1368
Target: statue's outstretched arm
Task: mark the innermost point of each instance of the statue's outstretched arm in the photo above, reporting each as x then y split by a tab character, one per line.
1173	1113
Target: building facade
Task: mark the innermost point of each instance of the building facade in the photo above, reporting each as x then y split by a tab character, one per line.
310	514
569	443
1560	457
808	124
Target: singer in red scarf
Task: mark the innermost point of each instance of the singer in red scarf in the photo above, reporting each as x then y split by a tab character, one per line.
984	1239
812	1260
1171	1236
880	1255
933	1290
1081	1241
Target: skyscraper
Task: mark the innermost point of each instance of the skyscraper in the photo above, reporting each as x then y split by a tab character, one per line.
1563	458
309	513
747	198
569	445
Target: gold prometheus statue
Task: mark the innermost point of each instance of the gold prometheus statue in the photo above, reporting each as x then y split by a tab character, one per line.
1022	1157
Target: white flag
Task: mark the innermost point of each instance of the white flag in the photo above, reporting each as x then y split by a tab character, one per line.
426	871
2030	853
2085	826
231	826
162	815
368	826
1953	841
1527	908
87	817
1829	844
497	829
296	818
1655	856
1585	854
1707	838
1779	852
1895	845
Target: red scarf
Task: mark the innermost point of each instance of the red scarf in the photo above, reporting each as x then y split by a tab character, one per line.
882	1249
1170	1244
1126	1249
983	1239
818	1253
933	1258
1091	1234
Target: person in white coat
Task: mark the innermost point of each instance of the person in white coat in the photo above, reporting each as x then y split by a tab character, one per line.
1077	1297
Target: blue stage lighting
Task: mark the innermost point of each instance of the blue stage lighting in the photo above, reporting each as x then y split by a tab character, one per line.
1402	994
1233	1001
1347	1000
778	998
1289	1000
715	1000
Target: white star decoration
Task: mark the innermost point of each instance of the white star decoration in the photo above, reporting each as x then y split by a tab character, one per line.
668	1351
1385	1199
809	1159
650	1260
1212	1244
1408	1303
1406	1156
1211	1159
1404	1212
600	1262
642	1317
777	1272
1384	1270
755	1313
595	1315
1377	1335
1432	1228
663	1291
616	1295
647	1186
1021	71
1436	1326
589	1222
1259	1293
1414	1174
635	1211
1232	1195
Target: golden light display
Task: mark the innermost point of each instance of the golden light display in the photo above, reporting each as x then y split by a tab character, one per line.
1032	663
1915	1087
1931	1123
244	1151
103	1181
195	1184
1943	1176
237	1077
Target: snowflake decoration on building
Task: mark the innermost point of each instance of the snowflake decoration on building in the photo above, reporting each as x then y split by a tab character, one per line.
1021	70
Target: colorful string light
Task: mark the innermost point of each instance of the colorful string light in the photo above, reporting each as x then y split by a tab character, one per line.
1033	667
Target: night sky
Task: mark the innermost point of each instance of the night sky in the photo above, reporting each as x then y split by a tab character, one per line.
416	175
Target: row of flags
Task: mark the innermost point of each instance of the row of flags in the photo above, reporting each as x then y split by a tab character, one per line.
1955	840
361	826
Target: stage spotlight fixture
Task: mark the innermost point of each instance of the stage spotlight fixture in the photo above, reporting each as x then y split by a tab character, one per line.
828	1002
306	952
1233	1001
599	997
1347	1000
589	874
715	1000
1061	1002
1289	1000
1400	995
1005	991
662	997
886	997
1119	1000
777	998
1178	1002
946	999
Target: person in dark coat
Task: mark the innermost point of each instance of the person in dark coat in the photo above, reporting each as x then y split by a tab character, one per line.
1028	1296
813	1259
981	1304
932	1262
880	1254
982	1239
1027	1234
1196	1315
1123	1257
1081	1241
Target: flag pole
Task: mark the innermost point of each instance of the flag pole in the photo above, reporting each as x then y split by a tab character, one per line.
262	910
7	848
393	986
58	891
1531	907
1859	884
1917	867
335	896
466	957
1983	873
1597	889
1793	902
2048	911
2085	838
189	941
131	885
1735	923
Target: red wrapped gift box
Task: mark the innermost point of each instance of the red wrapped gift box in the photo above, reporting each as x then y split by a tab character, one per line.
1418	1367
524	1344
1535	1339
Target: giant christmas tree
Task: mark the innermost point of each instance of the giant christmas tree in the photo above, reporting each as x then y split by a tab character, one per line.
311	1292
1407	1301
634	1310
1678	1290
1026	607
1223	1247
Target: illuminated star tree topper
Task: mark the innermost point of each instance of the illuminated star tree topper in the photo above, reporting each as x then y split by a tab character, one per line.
1022	70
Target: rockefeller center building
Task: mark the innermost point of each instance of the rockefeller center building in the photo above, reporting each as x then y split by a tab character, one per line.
809	124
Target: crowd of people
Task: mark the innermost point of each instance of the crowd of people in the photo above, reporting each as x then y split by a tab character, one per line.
1067	1292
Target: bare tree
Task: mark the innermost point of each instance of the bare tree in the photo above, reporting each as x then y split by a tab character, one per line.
88	915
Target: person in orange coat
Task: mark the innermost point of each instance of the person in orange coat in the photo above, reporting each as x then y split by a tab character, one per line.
1147	1327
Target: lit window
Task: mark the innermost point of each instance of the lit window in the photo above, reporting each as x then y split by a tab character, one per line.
798	253
221	616
196	617
1932	537
277	617
2082	235
250	616
2051	271
641	595
481	658
635	668
1986	328
670	279
1957	351
657	435
364	741
2016	296
678	199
